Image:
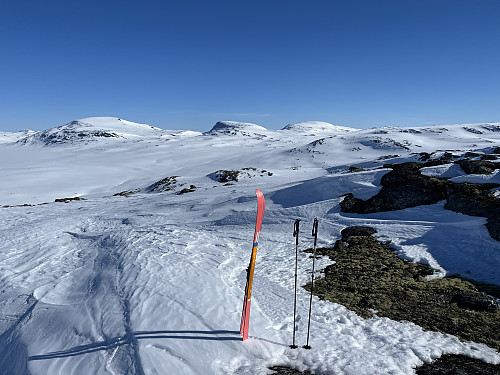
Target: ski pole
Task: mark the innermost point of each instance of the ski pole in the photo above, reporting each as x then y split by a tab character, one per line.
296	235
315	235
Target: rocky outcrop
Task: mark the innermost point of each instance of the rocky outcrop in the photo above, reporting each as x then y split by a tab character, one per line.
354	169
475	200
477	166
475	301
369	278
67	200
406	187
165	184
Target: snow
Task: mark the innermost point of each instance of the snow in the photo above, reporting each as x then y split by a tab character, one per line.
444	170
479	178
317	127
153	283
231	127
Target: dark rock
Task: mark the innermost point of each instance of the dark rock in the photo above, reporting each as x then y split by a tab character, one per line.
496	150
67	200
166	184
472	199
452	364
489	157
470	154
402	188
424	156
223	175
475	301
477	166
351	204
406	187
126	193
448	156
187	190
385	157
283	370
357	231
356	169
493	225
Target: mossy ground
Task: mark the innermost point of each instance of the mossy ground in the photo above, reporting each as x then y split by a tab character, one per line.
458	365
368	276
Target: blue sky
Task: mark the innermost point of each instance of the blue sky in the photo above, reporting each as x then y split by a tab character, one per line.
186	65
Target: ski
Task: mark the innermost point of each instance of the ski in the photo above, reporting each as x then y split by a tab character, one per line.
245	315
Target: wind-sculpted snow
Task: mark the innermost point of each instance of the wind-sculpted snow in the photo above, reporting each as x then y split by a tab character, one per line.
153	283
143	286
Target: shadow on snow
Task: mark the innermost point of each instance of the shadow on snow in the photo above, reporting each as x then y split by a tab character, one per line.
220	335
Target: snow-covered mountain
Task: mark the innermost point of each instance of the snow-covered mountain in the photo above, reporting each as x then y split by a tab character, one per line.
236	128
318	127
91	129
144	274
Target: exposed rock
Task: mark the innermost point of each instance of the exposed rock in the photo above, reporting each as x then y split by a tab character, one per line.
424	156
356	169
493	225
477	166
474	301
496	150
448	156
166	184
357	231
402	188
283	370
223	175
126	193
187	190
452	364
406	187
226	176
385	157
476	200
472	199
368	276
67	200
470	154
489	157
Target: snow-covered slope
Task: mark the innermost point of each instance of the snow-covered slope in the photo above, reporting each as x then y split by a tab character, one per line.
235	128
318	127
91	129
151	281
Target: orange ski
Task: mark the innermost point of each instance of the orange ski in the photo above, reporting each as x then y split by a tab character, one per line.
245	315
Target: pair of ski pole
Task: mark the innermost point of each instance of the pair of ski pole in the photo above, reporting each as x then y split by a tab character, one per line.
296	235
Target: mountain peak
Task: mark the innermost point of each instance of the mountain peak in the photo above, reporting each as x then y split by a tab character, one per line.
235	127
90	129
318	126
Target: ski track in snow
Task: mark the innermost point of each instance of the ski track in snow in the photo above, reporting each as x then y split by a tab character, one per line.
154	283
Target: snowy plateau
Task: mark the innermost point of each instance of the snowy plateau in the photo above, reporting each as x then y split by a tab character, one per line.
143	270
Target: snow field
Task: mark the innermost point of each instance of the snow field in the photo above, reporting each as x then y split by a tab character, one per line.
153	283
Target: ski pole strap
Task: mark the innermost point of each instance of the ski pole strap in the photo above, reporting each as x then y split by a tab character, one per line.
296	231
315	231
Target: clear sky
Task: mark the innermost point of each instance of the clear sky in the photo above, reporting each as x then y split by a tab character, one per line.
187	64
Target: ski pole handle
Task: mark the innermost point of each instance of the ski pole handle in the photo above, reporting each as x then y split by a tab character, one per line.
296	231
315	231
